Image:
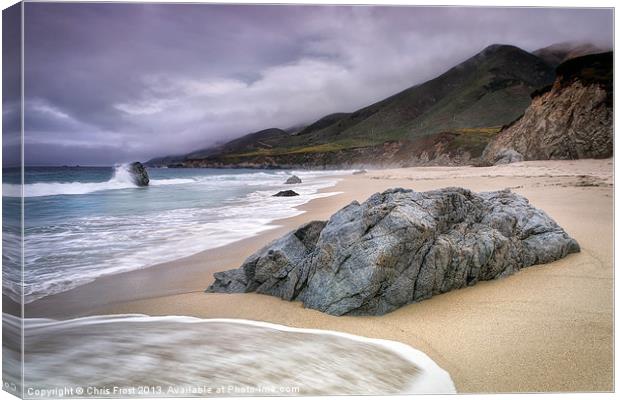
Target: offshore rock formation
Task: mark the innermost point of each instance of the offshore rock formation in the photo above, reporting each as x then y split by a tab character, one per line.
286	193
138	174
398	247
293	180
571	119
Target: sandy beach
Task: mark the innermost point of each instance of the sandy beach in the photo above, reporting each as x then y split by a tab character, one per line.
546	328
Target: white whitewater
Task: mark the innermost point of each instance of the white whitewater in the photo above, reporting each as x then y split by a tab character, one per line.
120	180
119	227
184	356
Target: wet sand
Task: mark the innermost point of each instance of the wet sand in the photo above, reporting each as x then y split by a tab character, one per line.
546	328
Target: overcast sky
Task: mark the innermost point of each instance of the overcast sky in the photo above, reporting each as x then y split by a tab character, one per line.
108	83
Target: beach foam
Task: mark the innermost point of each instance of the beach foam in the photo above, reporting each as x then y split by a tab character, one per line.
120	180
178	353
63	254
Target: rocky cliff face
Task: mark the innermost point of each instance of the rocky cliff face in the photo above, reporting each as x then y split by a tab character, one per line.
398	247
571	119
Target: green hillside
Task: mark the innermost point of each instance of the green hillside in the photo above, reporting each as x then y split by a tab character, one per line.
481	94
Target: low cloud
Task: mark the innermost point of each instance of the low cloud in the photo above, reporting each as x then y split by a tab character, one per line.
142	80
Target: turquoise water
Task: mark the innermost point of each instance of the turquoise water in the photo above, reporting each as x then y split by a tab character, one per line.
82	223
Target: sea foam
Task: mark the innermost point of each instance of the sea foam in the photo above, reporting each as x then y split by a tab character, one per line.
179	356
100	240
121	179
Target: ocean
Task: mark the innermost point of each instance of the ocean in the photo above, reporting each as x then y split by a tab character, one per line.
86	222
83	223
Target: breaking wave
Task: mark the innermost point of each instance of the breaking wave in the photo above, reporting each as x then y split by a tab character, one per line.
121	179
180	356
141	228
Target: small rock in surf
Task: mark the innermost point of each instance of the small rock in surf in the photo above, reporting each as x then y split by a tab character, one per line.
286	193
138	174
293	180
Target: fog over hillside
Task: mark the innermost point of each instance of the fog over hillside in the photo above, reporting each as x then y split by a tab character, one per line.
110	83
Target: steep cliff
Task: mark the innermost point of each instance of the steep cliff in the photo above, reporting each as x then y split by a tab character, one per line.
573	118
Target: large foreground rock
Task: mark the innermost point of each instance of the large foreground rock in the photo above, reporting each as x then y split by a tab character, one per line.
398	247
138	174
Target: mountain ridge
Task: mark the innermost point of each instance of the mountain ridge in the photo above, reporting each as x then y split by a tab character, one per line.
558	53
448	119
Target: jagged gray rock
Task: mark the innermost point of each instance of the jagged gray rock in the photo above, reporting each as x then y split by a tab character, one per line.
138	174
293	180
398	247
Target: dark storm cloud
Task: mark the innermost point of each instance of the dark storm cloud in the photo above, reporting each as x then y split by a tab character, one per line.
11	86
118	82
